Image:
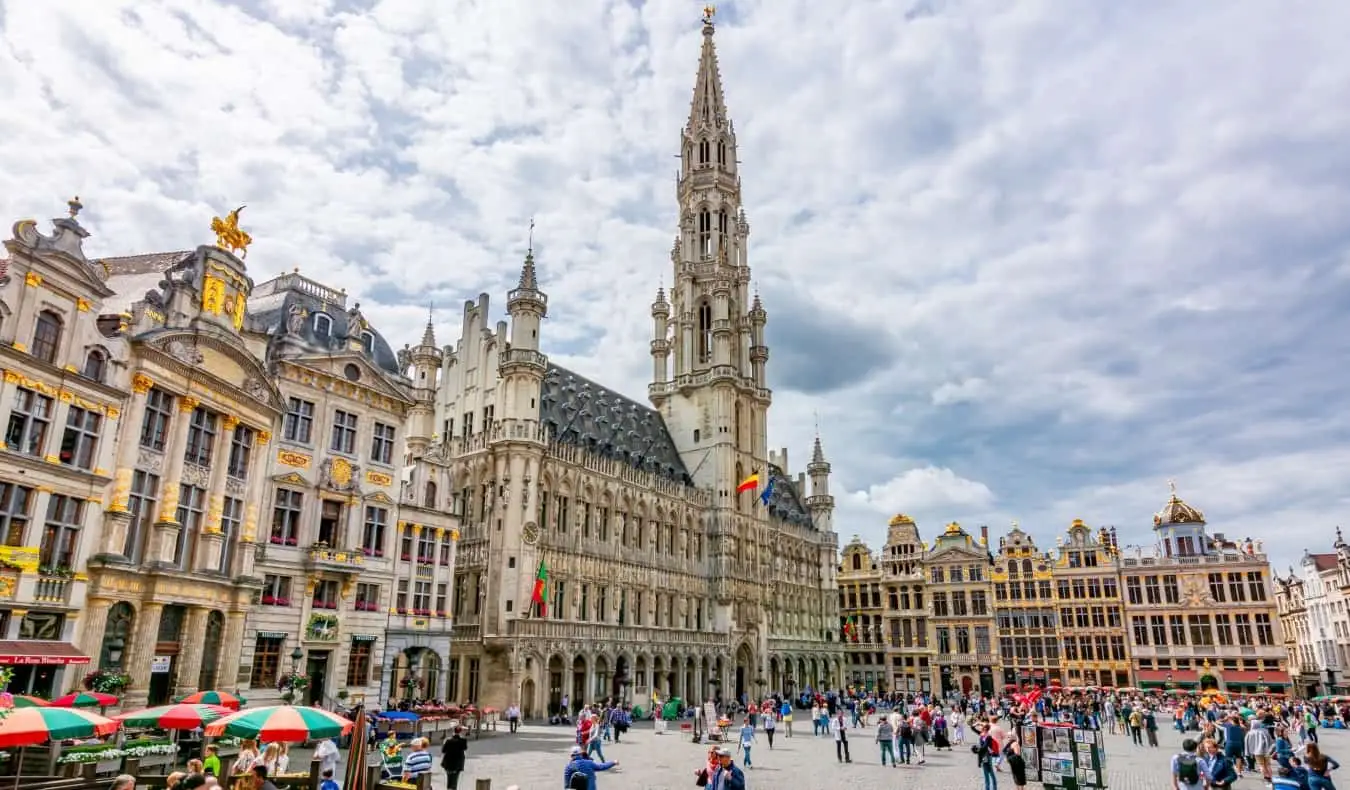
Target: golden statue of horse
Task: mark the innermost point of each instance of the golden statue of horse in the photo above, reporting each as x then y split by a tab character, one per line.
229	236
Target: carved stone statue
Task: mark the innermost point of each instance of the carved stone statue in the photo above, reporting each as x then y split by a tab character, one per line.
185	353
256	389
295	319
404	358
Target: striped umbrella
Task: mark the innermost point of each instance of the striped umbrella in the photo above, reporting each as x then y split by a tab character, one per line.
356	757
288	723
174	717
85	699
22	701
32	726
222	698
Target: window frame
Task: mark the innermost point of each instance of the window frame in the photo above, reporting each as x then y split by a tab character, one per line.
158	419
342	438
83	438
62	526
34	424
44	348
298	424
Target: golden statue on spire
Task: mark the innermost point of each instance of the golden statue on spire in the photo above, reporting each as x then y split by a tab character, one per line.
709	11
228	234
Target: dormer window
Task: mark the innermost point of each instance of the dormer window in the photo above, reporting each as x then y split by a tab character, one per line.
323	325
95	365
47	336
368	342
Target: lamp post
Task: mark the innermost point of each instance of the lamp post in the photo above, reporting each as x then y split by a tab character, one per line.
1168	683
296	655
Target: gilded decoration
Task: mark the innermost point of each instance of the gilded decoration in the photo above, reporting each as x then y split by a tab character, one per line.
213	295
32	279
264	437
82	304
187	405
341	472
60	393
229	422
900	519
379	478
229	236
292	458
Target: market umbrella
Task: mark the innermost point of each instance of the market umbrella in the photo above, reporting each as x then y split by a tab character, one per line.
289	723
222	698
31	726
85	699
174	717
356	758
23	701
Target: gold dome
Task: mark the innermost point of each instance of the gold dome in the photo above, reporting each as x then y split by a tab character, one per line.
1177	512
953	529
900	518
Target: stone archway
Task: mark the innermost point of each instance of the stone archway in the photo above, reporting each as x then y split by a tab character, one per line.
602	679
527	701
579	687
554	673
745	673
622	680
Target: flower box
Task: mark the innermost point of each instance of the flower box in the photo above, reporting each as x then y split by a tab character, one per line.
402	610
277	539
292	542
440	613
406	557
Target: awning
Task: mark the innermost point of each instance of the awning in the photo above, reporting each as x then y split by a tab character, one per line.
1180	677
27	652
1252	677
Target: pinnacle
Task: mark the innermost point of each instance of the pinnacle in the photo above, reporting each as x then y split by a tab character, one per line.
429	336
817	453
528	279
707	107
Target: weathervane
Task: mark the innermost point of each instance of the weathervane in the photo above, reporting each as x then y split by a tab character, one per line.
531	250
709	11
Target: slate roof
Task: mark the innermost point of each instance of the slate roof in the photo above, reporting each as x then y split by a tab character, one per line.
785	502
270	304
585	414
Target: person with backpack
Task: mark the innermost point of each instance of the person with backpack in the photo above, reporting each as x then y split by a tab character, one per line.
1186	767
905	739
581	770
986	751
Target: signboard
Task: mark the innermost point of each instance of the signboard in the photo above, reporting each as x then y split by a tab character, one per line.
25	558
159	665
272	634
364	638
23	661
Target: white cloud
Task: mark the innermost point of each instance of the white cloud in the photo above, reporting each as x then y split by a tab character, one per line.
1119	268
927	489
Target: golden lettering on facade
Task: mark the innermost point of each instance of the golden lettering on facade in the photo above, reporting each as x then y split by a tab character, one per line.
141	383
292	458
379	478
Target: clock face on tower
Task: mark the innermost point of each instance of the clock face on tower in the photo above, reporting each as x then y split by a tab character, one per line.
531	534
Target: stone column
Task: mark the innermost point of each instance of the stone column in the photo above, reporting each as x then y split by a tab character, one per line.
95	624
190	660
166	527
231	652
211	541
140	653
351	532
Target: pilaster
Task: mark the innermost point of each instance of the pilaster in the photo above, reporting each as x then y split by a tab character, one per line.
95	625
231	650
212	541
190	665
141	652
166	527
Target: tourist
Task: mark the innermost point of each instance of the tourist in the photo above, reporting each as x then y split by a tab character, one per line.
513	717
327	783
327	754
839	729
1319	767
594	743
418	761
986	751
747	740
260	778
247	757
705	774
770	724
786	712
1016	764
453	753
211	765
270	759
1186	770
729	776
1219	768
1259	745
886	740
581	770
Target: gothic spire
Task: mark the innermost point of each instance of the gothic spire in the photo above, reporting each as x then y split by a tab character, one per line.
528	279
707	108
429	334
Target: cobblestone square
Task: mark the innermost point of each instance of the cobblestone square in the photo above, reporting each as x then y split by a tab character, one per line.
534	760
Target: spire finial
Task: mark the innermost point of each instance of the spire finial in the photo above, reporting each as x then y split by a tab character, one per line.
74	205
1172	485
709	11
530	251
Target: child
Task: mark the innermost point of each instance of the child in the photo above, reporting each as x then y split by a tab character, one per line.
328	783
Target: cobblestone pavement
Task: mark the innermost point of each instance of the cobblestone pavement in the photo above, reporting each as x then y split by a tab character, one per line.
534	760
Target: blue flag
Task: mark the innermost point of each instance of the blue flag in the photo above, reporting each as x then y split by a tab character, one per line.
767	492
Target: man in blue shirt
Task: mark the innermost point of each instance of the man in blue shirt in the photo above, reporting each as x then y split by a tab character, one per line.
728	776
581	770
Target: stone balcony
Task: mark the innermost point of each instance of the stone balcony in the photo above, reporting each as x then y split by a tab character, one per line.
52	589
321	557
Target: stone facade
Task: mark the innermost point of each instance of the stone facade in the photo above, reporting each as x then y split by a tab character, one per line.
660	577
215	404
907	617
960	592
861	610
1025	613
61	401
1314	617
1200	608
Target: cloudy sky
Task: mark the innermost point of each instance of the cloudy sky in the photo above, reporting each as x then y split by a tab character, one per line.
1024	264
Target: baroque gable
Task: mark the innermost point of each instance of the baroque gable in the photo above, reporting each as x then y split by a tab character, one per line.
348	374
205	352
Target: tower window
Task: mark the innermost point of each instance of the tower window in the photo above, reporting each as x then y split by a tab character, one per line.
323	325
721	153
704	152
704	331
705	233
368	342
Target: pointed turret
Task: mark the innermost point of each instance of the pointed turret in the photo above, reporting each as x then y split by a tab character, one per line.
707	110
659	389
527	306
423	363
820	503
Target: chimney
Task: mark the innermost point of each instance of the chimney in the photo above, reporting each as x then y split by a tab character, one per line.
984	533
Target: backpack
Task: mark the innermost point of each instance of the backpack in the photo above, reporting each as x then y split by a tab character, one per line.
906	731
1188	769
579	781
993	747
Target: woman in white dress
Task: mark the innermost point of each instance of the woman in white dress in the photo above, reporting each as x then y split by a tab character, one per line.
958	722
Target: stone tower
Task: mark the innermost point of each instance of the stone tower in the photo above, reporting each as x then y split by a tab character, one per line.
709	356
425	360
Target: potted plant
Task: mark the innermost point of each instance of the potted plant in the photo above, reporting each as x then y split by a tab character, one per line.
106	681
411	685
291	684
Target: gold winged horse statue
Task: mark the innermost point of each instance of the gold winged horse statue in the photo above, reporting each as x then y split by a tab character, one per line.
228	234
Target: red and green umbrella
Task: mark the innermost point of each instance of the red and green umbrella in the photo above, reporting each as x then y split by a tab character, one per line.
22	701
32	726
288	723
222	698
174	717
85	699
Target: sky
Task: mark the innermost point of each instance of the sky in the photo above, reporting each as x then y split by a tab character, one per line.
1020	263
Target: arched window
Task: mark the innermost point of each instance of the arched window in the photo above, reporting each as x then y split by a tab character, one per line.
429	496
368	341
47	336
323	325
95	365
721	153
1012	568
857	562
740	475
704	152
704	331
1026	567
705	233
